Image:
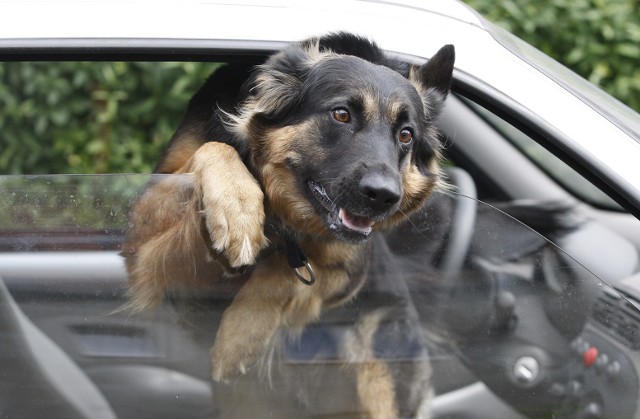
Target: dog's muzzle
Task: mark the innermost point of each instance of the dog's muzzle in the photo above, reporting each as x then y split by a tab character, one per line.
376	196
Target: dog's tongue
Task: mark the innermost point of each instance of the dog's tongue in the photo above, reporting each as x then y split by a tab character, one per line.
356	222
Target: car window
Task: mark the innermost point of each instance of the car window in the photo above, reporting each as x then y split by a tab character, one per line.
467	301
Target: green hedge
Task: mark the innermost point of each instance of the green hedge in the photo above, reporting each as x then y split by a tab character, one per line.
87	117
598	39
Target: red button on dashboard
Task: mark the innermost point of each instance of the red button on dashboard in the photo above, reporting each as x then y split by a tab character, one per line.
589	356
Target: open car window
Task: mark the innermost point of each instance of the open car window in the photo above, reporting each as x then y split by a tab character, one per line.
497	313
92	116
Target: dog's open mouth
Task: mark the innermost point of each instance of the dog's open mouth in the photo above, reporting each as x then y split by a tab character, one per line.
355	222
340	220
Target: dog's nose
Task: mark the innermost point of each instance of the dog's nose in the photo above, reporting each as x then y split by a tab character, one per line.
381	191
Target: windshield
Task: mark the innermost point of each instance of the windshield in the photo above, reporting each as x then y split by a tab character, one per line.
461	298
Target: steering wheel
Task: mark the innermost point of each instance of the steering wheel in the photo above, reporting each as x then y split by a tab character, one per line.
440	233
463	220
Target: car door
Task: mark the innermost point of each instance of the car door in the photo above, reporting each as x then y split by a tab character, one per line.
533	300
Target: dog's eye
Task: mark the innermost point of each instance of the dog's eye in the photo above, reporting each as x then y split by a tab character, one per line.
405	136
341	115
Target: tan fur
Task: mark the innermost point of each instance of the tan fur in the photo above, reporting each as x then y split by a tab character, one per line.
374	379
178	155
394	109
271	299
314	54
272	154
158	219
232	203
371	109
166	243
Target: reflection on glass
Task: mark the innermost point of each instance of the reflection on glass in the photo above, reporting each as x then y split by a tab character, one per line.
462	298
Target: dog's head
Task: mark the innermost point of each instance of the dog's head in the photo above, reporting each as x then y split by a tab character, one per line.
342	137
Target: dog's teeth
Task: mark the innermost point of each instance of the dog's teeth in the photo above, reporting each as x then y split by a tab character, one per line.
355	222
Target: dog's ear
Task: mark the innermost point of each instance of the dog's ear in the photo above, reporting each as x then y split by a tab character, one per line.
272	90
279	82
433	79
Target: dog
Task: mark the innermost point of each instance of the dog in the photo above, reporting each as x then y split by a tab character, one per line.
289	171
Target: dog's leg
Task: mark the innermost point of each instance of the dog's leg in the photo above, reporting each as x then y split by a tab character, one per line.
373	377
271	299
232	203
249	323
165	247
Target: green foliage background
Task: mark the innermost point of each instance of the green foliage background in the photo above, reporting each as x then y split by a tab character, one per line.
70	117
598	39
88	117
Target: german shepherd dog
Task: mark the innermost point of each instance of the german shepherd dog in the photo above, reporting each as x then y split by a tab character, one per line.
292	167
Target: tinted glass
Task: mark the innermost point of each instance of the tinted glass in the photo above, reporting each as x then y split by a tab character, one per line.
464	297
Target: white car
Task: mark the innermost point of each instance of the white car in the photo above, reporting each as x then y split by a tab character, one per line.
538	315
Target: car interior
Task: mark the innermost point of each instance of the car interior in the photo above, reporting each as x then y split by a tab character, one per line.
523	275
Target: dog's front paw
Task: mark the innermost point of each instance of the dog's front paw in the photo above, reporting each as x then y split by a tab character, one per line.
234	216
232	204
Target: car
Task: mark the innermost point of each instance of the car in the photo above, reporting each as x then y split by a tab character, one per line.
528	289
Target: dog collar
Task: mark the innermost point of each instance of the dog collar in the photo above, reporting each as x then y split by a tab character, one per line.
298	260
